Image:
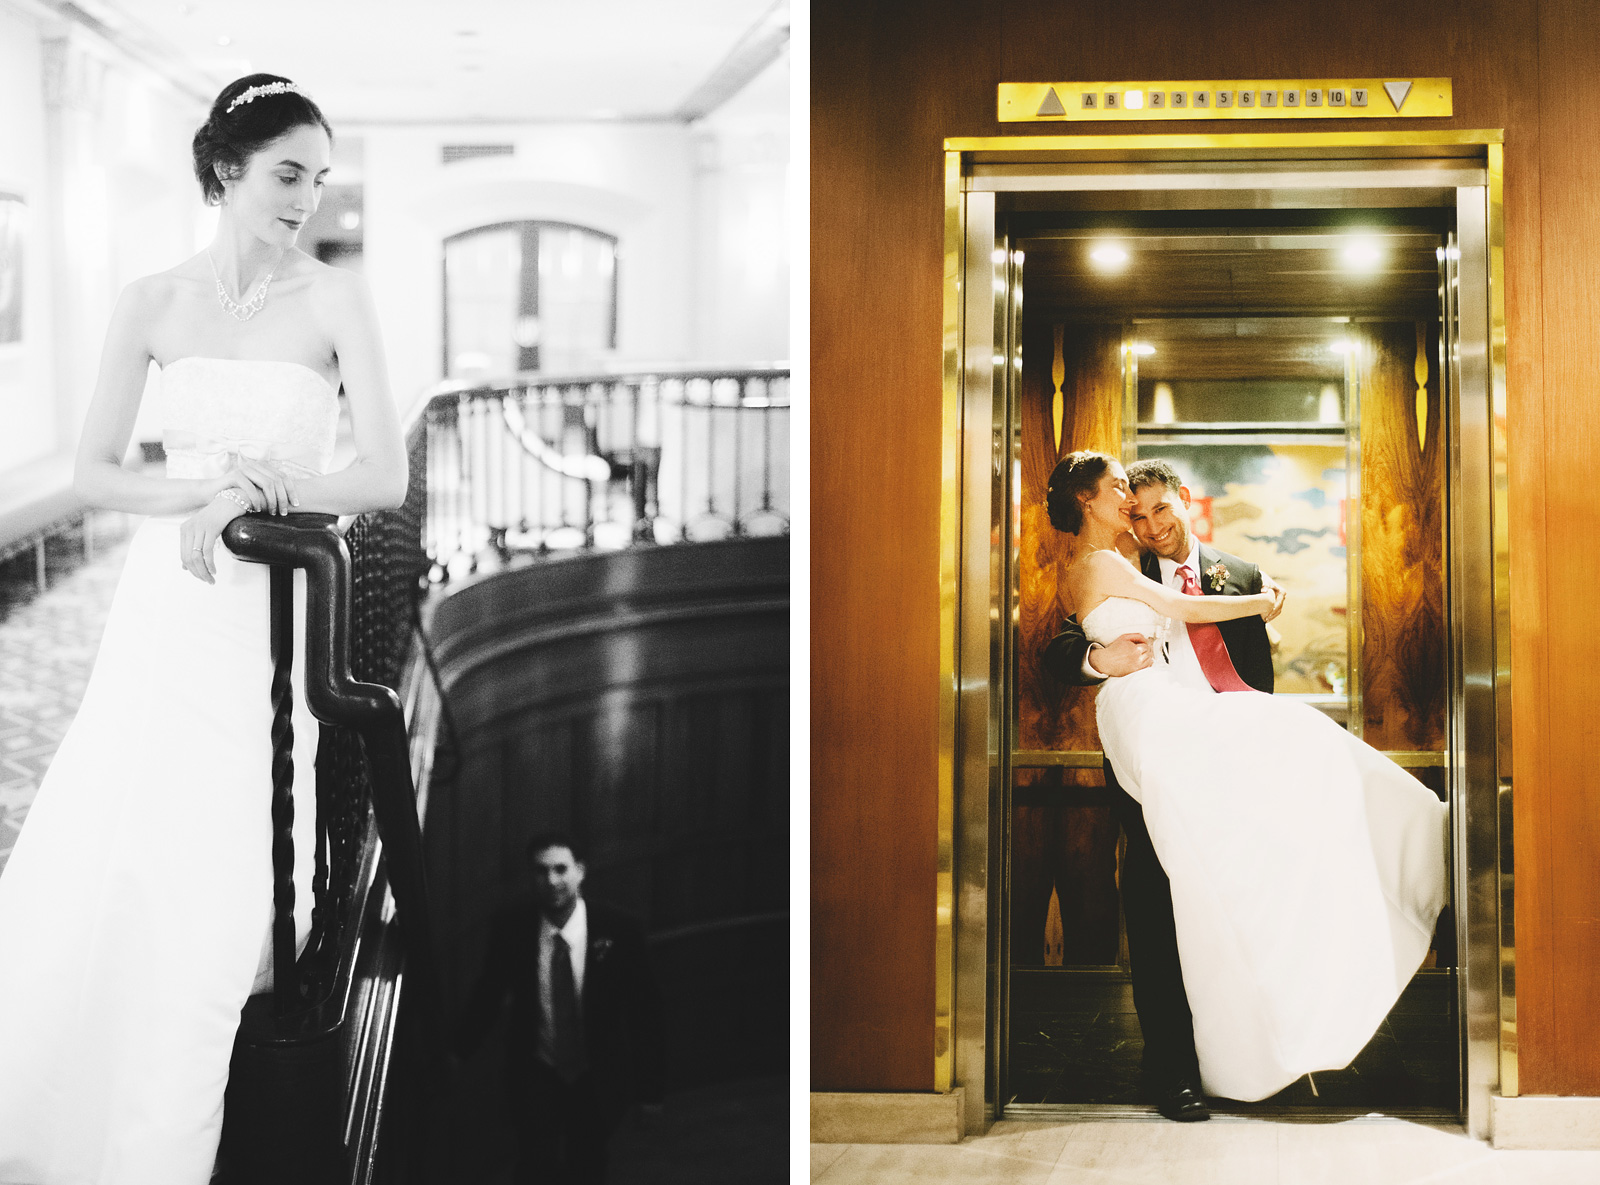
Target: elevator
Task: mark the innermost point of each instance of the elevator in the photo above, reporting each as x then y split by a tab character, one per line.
1310	330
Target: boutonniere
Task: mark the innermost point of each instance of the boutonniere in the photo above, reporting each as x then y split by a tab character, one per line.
601	947
1217	576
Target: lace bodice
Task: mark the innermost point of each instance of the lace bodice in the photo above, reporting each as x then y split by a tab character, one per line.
1115	616
273	411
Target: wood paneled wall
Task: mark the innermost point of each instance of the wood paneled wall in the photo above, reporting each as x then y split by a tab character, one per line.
889	82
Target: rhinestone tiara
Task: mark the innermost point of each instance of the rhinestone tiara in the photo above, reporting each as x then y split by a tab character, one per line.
252	93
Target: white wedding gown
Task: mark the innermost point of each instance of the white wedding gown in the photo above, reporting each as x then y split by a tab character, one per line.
136	906
1307	869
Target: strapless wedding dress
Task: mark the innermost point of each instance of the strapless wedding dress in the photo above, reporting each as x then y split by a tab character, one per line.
1307	869
135	909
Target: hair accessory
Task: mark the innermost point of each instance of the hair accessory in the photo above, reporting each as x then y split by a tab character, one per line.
251	93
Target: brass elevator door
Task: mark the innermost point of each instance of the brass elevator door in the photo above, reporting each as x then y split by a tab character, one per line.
1294	367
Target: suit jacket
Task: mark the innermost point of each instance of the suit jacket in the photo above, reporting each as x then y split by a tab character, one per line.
1245	637
621	1006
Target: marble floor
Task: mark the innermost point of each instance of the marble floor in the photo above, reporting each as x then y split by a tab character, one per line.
1370	1151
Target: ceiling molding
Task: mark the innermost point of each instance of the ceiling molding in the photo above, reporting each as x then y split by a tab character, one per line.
753	53
122	35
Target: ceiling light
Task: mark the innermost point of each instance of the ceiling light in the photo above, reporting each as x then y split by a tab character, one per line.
1362	255
224	40
1339	346
349	220
1143	349
1108	257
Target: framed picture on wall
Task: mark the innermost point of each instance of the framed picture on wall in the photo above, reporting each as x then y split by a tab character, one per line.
13	214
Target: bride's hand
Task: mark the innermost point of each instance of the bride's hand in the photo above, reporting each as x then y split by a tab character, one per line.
197	537
267	486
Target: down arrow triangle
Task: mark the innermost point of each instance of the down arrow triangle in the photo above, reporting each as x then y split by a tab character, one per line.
1052	104
1397	93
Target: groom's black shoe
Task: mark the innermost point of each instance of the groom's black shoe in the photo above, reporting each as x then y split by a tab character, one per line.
1181	1100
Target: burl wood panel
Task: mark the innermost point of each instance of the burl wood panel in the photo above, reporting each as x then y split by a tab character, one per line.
1402	542
1059	845
1051	714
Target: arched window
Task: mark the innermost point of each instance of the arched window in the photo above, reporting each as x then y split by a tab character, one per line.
529	296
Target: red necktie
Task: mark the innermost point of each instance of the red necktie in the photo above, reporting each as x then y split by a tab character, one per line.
1208	645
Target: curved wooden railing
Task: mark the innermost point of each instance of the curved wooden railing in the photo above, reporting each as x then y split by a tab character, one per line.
531	464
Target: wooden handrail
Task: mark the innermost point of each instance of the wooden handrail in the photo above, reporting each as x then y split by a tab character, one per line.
314	543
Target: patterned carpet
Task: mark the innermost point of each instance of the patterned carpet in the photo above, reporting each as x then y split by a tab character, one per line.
47	649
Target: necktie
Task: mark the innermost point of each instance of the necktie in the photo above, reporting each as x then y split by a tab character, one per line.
1208	645
566	1038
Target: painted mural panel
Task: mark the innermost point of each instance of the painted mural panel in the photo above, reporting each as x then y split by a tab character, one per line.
1281	506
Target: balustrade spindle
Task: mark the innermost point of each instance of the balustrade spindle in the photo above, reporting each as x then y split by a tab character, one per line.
285	983
737	416
766	454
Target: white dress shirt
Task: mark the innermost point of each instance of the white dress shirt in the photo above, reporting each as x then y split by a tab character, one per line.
576	933
1181	657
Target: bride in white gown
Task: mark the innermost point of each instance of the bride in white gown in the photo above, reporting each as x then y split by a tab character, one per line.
135	908
1307	870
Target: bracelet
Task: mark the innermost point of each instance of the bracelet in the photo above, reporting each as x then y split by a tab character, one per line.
236	498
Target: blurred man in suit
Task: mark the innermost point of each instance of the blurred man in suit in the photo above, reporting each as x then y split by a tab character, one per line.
584	1041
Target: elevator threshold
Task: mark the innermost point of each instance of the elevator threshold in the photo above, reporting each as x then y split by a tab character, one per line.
1235	1113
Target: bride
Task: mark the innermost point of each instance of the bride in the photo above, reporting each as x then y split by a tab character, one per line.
1307	870
135	909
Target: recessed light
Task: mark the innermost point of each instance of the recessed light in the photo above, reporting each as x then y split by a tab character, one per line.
224	40
1362	255
1108	256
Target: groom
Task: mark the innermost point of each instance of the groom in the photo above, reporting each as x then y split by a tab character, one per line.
1174	557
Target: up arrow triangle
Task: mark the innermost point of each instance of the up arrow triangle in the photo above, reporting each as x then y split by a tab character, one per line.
1052	104
1397	93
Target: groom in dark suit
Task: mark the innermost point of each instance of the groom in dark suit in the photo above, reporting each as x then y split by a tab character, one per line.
1174	557
585	1039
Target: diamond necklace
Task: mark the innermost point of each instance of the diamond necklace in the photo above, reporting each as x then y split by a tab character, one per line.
240	312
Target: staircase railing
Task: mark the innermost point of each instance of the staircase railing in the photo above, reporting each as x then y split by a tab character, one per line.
529	465
294	1108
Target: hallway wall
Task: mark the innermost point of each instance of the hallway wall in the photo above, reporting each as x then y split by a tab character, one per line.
889	82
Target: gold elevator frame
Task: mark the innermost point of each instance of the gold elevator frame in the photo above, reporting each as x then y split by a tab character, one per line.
1478	748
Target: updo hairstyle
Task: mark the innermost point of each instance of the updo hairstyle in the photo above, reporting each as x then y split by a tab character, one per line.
226	142
1075	477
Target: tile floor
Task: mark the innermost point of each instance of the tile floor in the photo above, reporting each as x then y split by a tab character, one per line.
1370	1151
